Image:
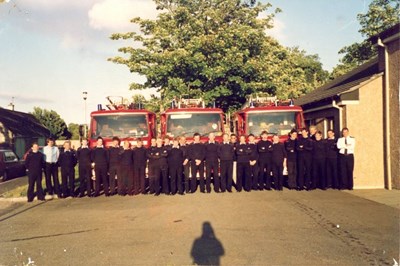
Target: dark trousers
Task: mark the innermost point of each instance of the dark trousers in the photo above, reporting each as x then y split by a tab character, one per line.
165	178
212	167
85	179
242	176
33	178
193	182
332	173
114	172
254	175
304	170
154	178
186	170
226	175
68	181
277	172
176	173
101	177
139	179
52	185
292	174
125	180
319	178
264	172
346	170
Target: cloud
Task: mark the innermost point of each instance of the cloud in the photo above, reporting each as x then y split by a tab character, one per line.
278	30
46	5
116	14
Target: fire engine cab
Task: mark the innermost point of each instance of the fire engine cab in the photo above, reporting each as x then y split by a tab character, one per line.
268	114
127	121
189	116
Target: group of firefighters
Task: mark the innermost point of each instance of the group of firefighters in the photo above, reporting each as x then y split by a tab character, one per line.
308	160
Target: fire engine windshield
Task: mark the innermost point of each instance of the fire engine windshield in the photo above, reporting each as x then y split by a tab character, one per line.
122	126
186	124
280	123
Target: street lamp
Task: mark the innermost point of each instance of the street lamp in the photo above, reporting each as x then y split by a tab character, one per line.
84	95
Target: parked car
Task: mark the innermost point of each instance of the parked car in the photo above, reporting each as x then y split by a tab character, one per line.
10	165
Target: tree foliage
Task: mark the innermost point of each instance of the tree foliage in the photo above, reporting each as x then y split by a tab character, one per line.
218	50
74	130
53	121
381	15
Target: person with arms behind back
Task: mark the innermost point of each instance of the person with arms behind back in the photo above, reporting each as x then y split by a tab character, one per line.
84	169
100	160
67	162
34	163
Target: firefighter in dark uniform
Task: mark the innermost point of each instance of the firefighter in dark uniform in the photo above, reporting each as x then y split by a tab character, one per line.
100	160
212	164
291	152
346	145
125	176
234	142
304	160
153	155
175	167
226	154
167	144
114	164
312	132
163	164
84	169
264	147
278	158
139	168
34	164
319	162
196	155
332	161
254	165
186	163
243	165
67	162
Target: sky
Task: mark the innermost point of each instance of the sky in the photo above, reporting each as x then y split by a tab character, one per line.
53	50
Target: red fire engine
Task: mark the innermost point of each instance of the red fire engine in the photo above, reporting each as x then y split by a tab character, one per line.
189	116
268	114
127	121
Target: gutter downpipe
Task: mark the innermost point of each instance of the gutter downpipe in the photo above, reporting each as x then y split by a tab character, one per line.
387	116
334	105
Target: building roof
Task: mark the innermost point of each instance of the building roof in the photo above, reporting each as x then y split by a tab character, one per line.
387	35
341	84
22	124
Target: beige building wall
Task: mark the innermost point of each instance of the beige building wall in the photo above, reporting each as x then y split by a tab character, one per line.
365	122
394	113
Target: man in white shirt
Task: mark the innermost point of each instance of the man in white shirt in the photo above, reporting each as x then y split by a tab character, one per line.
346	145
51	154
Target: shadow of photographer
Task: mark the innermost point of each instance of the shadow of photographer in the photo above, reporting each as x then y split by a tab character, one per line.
207	249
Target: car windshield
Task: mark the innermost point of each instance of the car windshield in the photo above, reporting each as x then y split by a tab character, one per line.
186	124
123	126
280	123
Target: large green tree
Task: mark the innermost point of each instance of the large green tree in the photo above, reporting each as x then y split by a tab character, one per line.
74	130
381	15
215	49
52	120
